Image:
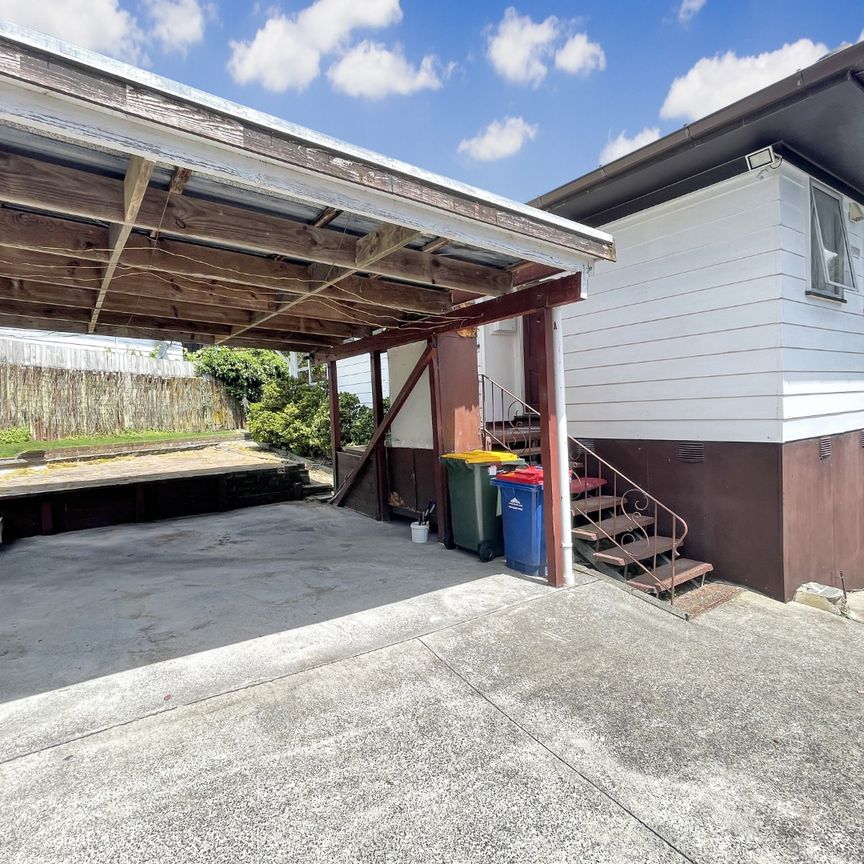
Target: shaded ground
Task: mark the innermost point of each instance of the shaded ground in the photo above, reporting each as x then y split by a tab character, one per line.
488	719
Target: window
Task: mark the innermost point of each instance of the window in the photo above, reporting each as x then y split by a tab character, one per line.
829	249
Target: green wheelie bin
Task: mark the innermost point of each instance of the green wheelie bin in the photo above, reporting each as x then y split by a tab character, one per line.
474	501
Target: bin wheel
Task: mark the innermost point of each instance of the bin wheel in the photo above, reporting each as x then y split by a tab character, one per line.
485	552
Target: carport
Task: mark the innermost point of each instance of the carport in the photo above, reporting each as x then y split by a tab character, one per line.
135	206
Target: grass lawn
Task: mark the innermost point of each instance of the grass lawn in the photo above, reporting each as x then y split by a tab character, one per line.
9	450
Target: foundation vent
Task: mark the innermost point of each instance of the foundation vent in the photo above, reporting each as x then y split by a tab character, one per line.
588	444
824	448
691	451
861	433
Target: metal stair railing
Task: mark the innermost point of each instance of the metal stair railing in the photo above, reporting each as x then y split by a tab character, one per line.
507	424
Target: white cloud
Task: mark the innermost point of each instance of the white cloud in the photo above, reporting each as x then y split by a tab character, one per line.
688	10
622	145
286	52
100	25
861	36
372	71
579	56
715	82
499	139
176	24
520	47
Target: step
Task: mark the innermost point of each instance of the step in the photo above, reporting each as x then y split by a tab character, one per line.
515	433
525	451
685	571
611	527
583	506
640	550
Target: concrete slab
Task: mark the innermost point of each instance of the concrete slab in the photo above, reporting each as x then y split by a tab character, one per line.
102	627
738	736
384	758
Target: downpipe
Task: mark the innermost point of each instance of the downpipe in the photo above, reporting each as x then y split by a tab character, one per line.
563	443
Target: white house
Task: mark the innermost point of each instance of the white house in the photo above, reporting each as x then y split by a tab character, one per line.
720	361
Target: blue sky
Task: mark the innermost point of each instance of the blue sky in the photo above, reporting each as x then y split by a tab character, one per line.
513	97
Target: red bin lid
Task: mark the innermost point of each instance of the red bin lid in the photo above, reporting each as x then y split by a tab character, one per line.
531	476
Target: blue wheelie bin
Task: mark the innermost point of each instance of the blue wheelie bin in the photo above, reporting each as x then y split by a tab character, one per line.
522	511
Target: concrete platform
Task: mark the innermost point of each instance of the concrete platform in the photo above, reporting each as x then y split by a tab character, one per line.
353	698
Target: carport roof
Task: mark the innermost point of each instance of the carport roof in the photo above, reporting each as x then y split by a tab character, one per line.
132	205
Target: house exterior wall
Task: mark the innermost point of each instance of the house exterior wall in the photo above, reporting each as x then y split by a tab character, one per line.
355	376
822	340
681	337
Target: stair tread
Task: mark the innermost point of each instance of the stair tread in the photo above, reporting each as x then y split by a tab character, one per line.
581	506
516	433
639	550
685	571
612	526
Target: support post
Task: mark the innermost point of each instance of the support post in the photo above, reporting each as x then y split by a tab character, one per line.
442	518
550	455
335	431
382	475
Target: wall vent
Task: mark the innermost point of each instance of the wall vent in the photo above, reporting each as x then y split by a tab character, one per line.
588	444
824	448
691	451
861	433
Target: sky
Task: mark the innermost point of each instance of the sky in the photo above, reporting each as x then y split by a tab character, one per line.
515	98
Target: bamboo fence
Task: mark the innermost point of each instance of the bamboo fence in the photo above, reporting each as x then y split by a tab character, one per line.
68	403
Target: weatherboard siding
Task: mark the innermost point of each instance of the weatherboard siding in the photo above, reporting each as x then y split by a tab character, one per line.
822	340
354	375
681	338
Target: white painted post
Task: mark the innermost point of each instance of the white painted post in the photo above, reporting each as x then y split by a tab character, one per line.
560	397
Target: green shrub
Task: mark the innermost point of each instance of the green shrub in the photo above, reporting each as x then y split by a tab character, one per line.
15	435
296	416
243	371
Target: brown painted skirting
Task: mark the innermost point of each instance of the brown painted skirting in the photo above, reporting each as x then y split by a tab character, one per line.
765	515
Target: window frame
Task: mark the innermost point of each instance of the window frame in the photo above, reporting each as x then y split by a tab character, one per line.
839	292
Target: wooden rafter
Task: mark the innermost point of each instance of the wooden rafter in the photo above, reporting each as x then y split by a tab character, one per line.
179	180
369	249
134	186
33	246
59	189
326	216
556	292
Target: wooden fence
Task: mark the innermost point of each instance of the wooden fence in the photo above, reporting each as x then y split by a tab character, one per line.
66	403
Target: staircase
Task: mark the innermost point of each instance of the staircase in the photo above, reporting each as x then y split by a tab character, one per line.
618	527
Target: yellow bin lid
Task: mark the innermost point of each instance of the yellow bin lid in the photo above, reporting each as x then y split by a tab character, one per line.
475	457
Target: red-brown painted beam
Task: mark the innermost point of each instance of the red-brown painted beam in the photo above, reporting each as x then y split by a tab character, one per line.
442	510
382	475
335	431
384	425
549	457
557	292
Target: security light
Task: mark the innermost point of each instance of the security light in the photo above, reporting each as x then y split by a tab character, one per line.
764	158
856	212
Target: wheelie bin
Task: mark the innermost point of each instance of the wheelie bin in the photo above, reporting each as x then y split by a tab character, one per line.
474	502
522	512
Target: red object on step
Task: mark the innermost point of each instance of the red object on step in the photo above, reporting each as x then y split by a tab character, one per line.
531	476
578	485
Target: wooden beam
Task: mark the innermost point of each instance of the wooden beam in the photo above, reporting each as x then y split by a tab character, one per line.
35	247
549	457
382	474
381	429
185	313
59	189
442	502
326	216
335	419
557	292
435	245
179	180
134	186
369	249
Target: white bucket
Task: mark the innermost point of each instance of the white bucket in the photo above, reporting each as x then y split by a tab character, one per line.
419	533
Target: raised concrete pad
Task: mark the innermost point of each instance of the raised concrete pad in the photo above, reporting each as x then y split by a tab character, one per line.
102	627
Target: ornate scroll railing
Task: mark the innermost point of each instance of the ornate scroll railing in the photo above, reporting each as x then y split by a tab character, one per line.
506	417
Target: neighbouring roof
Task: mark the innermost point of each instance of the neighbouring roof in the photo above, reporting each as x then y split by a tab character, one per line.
815	117
135	206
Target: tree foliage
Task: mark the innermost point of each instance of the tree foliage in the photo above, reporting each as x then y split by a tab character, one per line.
243	371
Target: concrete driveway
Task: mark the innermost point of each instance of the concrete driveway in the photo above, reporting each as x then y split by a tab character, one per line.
486	719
